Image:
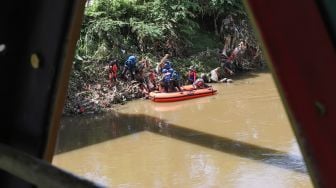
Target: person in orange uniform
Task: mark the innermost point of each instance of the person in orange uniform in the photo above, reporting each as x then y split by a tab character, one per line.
192	75
113	70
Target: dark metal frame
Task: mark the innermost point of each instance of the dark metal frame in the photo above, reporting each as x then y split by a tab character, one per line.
37	43
298	37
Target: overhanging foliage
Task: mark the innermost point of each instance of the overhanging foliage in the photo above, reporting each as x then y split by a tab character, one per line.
149	26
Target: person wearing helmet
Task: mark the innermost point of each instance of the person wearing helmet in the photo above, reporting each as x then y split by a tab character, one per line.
167	65
164	64
199	84
174	80
165	80
171	70
130	65
164	71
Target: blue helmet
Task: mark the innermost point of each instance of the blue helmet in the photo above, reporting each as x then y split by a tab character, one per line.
171	70
132	58
164	70
167	65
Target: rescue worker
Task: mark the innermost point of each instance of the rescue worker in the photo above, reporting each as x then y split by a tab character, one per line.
199	84
191	75
165	80
113	69
171	70
164	64
174	81
130	65
167	65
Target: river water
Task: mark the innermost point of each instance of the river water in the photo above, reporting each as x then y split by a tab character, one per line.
240	137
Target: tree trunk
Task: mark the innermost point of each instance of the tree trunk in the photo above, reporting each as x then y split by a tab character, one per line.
215	25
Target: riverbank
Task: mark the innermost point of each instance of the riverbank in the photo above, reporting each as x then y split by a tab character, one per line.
95	96
89	91
98	97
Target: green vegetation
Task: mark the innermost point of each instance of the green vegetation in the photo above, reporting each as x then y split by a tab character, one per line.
180	27
192	32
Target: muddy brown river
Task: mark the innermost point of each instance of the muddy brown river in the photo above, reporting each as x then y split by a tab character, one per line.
240	137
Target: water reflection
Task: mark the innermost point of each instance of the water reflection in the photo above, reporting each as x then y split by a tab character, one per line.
115	125
96	129
174	106
240	137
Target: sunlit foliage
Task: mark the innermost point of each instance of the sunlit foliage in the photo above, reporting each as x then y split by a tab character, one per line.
150	26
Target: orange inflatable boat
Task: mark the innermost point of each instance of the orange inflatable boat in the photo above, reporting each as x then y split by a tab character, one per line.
187	93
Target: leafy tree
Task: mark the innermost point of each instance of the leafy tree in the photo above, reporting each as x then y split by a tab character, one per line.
155	26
